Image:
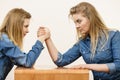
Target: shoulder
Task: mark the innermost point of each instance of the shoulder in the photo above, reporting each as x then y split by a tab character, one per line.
114	33
5	38
5	41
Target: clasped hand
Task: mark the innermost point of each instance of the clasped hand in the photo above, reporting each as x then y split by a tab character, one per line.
43	33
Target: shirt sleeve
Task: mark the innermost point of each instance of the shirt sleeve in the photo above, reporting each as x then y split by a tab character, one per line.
115	66
69	56
20	58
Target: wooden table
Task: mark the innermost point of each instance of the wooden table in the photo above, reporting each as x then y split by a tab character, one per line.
50	74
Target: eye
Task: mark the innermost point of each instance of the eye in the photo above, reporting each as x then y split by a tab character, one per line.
78	21
26	26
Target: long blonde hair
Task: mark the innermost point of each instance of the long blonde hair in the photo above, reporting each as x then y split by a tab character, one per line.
13	25
97	26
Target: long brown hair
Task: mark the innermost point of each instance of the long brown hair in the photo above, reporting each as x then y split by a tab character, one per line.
97	26
13	25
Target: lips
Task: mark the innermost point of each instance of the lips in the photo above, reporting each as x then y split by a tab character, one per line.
24	34
81	31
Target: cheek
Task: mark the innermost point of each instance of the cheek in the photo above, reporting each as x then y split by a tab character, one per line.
87	25
23	30
87	29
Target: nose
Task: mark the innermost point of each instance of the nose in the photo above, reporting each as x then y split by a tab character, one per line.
27	30
77	25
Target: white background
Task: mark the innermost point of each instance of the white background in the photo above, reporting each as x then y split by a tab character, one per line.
54	15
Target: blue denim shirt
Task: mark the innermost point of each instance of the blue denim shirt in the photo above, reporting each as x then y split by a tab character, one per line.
11	55
109	54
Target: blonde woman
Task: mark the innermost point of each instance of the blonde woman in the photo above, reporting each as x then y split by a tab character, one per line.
97	44
13	29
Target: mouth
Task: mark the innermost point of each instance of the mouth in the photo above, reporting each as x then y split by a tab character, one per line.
24	34
81	31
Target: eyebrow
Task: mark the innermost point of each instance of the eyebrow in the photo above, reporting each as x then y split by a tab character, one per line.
26	25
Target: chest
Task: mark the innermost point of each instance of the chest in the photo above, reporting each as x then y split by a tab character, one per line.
102	54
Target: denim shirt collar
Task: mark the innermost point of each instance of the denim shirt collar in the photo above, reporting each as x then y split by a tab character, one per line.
86	39
4	36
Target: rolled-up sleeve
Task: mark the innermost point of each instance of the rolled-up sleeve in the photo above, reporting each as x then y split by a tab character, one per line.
115	66
111	67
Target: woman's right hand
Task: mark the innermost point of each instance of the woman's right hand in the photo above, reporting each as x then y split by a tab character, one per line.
43	34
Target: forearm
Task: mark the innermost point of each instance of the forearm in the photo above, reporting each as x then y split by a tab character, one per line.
52	49
98	67
94	67
20	58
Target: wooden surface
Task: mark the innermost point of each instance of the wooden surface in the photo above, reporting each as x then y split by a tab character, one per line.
50	74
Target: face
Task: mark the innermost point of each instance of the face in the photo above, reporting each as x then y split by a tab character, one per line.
25	26
82	23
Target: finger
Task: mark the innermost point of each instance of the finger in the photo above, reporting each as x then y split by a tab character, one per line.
41	27
40	31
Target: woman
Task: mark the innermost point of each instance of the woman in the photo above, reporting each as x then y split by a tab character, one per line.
97	44
13	29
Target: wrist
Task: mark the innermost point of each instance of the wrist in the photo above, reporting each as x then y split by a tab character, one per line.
47	39
41	39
